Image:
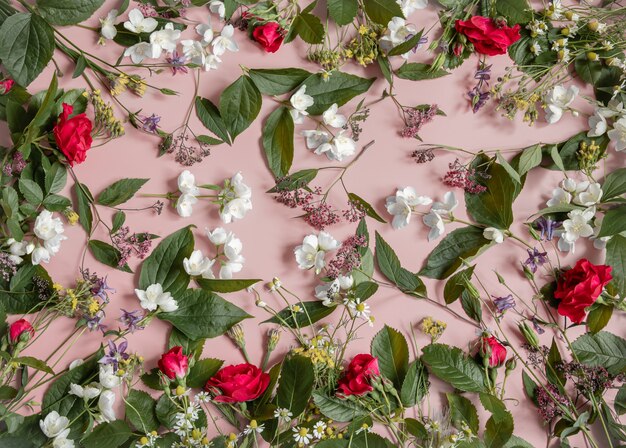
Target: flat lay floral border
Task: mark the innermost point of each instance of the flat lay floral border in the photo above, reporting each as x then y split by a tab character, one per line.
314	395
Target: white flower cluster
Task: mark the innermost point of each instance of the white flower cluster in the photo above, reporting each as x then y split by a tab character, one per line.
398	31
558	100
312	252
204	52
56	427
331	293
599	123
48	231
230	261
234	197
581	223
153	298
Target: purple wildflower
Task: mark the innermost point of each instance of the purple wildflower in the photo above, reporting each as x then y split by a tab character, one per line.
99	287
151	123
131	319
504	303
116	354
95	323
478	96
535	259
177	62
536	326
547	227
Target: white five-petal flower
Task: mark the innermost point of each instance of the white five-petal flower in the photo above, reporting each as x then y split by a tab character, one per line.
310	254
154	297
137	23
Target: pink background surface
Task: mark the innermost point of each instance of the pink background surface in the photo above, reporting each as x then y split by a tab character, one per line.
269	232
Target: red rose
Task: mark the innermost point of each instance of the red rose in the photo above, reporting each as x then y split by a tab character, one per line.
174	363
488	38
6	85
490	346
239	383
269	35
73	135
579	288
18	327
356	380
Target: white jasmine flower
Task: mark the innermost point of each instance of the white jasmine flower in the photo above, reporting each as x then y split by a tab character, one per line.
206	31
184	205
557	100
137	23
493	234
225	41
154	297
438	212
410	6
194	51
329	293
234	260
402	204
311	253
105	405
342	147
315	138
559	197
332	118
141	51
398	31
283	414
165	39
107	377
218	236
575	227
236	197
62	442
90	391
218	7
55	425
17	249
597	124
300	102
618	134
47	227
187	183
590	196
40	255
212	62
301	435
107	25
197	264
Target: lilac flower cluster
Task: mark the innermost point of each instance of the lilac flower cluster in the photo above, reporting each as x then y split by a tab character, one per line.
416	118
129	245
347	257
460	176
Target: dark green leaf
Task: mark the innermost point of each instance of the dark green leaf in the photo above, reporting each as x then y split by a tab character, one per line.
614	221
616	258
107	254
308	27
614	184
338	88
338	409
389	265
598	317
462	410
108	435
312	312
120	191
278	81
278	141
382	11
406	46
392	351
210	117
299	179
456	285
415	384
453	366
417	71
84	199
225	286
366	207
64	12
240	104
460	244
140	411
202	370
295	385
602	349
515	11
31	190
342	11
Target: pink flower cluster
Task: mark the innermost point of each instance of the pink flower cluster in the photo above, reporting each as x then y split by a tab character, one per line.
460	176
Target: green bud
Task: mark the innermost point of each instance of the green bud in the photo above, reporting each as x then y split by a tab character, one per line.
529	334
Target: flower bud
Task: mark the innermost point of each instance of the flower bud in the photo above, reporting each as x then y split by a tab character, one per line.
529	334
593	25
592	56
21	331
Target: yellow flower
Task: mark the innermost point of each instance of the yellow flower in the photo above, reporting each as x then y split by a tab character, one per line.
94	306
57	287
363	30
118	84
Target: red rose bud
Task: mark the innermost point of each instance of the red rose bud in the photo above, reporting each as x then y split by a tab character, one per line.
488	37
238	383
269	35
356	380
174	364
73	135
5	86
457	49
579	287
21	330
491	349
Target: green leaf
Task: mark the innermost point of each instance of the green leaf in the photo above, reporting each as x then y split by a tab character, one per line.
118	221
620	400
210	117
553	371
202	314
22	297
406	46
392	351
108	435
602	349
366	207
299	179
616	258
26	47
614	184
530	387
385	68
389	265
295	385
202	370
453	366
313	311
56	203
599	317
140	411
278	141
191	347
492	208
417	71
277	81
462	410
165	263
509	169
456	285
460	244
338	409
107	254
208	140
515	11
338	88
84	200
415	384
517	442
342	12
472	305
64	12
382	11
35	363
31	190
226	286
614	221
240	104
120	191
499	427
309	28
530	158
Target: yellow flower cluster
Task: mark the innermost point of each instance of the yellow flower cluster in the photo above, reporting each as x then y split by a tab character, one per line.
588	155
432	327
104	118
